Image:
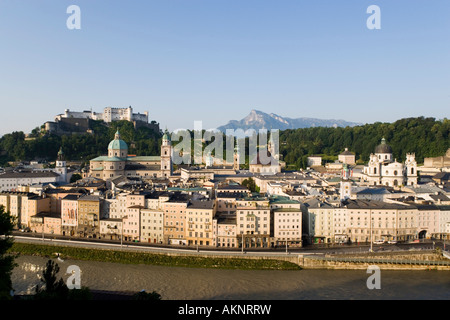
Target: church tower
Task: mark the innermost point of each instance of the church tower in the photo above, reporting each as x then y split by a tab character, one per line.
166	156
273	145
236	159
346	184
61	167
410	170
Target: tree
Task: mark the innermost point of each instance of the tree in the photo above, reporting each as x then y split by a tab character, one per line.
75	177
143	295
52	288
6	260
251	185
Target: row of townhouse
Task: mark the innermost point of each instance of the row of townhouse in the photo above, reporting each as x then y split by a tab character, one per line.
366	221
161	217
231	220
176	218
257	221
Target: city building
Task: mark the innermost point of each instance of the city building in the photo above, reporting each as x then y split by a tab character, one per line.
71	122
438	162
265	162
225	231
69	214
368	221
253	222
314	161
321	221
175	219
12	181
89	214
383	169
199	223
347	157
118	163
152	226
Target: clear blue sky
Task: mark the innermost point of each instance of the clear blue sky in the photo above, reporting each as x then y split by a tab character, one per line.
215	60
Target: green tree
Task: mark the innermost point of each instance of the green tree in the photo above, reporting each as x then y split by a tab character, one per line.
54	289
6	260
143	295
75	177
251	185
51	288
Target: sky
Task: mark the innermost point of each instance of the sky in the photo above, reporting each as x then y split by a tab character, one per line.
216	60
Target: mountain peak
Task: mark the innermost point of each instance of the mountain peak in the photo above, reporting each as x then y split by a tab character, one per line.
260	120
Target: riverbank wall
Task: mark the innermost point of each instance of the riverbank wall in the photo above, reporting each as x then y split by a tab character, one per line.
410	260
388	260
419	260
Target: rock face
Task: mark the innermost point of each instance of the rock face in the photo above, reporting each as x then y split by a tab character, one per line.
261	120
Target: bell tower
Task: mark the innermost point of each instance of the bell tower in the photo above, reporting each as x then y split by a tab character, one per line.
61	167
166	156
346	184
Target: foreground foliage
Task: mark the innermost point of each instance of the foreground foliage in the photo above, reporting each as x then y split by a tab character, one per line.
6	258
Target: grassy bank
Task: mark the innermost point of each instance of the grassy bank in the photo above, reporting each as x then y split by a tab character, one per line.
128	257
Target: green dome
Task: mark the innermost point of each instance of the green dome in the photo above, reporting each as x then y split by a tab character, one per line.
166	136
117	143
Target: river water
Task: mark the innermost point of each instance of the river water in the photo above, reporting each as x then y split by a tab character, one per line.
175	283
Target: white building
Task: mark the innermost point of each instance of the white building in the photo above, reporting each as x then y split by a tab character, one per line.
225	231
314	161
383	169
11	181
109	115
253	221
287	225
322	221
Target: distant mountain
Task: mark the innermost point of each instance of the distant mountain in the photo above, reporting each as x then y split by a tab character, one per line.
261	120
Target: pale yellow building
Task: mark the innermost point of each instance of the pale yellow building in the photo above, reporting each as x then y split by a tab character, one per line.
199	222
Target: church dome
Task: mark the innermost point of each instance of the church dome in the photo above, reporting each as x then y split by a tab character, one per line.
117	143
383	147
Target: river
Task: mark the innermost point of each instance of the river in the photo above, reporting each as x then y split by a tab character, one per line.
175	283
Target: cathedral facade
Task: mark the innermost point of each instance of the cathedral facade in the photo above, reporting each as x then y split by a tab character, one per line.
383	169
118	163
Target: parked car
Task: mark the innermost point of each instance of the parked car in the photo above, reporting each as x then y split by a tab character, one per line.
378	242
392	241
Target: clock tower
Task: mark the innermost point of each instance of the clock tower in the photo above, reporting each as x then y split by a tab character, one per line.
166	156
346	184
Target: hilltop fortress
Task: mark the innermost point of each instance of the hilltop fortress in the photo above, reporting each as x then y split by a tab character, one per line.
81	122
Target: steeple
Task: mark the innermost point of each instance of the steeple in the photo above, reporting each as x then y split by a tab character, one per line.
166	138
346	183
60	155
166	155
60	166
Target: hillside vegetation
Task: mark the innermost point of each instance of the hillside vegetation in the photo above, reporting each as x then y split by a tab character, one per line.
426	137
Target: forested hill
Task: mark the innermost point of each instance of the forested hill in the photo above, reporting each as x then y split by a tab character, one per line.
15	147
426	137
